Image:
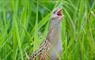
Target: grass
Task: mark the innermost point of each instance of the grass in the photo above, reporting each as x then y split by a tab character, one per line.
24	25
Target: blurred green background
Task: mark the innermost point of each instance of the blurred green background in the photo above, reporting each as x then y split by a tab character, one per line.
24	25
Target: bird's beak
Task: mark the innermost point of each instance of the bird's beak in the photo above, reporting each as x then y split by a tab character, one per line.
59	12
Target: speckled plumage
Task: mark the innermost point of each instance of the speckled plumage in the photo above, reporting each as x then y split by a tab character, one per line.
51	47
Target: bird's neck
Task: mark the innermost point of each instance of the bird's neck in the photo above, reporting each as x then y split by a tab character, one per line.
54	31
55	24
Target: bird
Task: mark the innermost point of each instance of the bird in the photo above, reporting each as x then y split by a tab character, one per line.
51	47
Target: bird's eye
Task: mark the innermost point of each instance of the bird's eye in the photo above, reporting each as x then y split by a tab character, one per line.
54	12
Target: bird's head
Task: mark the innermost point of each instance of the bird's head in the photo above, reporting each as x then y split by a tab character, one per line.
57	14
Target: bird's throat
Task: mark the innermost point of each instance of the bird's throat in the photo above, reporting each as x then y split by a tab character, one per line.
54	31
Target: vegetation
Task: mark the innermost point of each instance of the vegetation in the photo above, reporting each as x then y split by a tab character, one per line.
24	25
